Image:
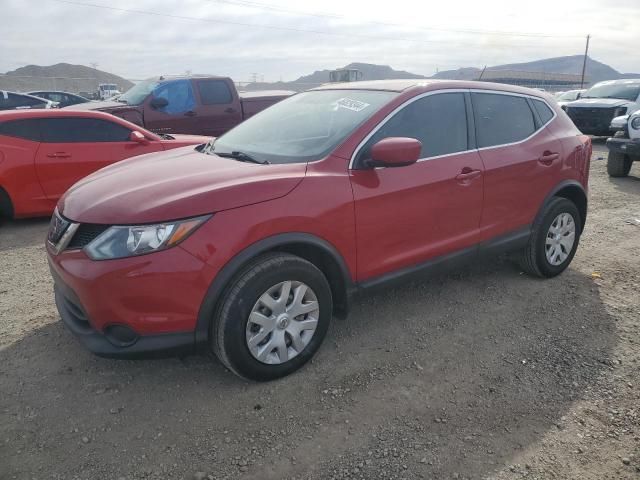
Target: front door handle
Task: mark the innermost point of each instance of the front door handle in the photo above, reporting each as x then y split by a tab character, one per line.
230	110
59	155
467	174
548	157
190	113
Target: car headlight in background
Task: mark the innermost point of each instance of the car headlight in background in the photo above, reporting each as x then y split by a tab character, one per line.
620	111
635	123
132	240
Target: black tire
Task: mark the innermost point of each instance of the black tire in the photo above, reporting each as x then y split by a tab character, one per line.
228	327
533	258
618	164
6	207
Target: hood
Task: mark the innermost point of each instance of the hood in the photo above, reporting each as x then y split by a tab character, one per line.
105	106
181	139
598	103
172	185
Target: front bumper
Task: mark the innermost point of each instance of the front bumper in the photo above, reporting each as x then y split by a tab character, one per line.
626	146
153	298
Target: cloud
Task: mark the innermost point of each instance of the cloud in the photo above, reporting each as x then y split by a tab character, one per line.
276	42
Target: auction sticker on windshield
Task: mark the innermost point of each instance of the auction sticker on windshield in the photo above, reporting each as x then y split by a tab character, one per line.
350	104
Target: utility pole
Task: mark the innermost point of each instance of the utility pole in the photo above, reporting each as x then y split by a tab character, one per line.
584	62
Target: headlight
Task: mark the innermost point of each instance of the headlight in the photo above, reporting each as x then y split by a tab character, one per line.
635	123
129	241
620	111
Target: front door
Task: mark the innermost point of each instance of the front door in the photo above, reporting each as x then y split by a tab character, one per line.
179	115
72	148
408	215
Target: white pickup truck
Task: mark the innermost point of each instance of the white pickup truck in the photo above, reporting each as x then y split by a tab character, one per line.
624	146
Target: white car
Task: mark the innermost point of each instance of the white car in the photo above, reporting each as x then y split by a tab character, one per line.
569	96
624	147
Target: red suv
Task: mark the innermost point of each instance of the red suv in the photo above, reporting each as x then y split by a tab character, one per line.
250	244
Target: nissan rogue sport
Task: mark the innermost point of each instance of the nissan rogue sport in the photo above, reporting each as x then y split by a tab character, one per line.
250	244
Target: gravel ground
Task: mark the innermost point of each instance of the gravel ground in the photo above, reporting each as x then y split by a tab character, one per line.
484	373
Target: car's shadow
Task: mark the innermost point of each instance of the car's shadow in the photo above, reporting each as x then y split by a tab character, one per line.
458	373
630	183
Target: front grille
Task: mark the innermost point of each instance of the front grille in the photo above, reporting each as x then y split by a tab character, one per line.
86	233
589	119
57	227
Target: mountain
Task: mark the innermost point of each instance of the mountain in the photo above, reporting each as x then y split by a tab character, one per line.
62	76
369	71
595	71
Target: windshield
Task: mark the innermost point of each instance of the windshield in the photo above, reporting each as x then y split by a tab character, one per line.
624	91
136	94
302	128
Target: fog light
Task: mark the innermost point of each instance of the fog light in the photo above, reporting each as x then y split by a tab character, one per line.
120	335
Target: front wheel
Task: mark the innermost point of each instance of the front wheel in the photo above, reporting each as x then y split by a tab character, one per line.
618	164
554	239
272	318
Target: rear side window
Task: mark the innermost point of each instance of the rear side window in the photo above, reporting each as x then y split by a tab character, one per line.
544	112
78	130
27	129
10	101
501	119
214	92
439	121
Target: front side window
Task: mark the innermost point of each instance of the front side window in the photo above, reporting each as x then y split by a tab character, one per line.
303	128
439	121
82	130
214	92
501	119
179	94
27	129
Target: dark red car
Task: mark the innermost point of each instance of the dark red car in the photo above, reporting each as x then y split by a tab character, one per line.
250	245
44	152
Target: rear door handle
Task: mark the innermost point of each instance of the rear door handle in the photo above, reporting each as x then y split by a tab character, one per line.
548	157
468	174
190	113
59	155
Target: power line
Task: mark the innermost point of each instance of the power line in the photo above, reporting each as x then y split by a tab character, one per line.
274	27
264	6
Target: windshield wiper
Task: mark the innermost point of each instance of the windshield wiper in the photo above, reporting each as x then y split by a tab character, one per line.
243	157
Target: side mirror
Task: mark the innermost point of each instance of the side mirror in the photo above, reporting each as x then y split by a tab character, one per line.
138	137
159	102
578	96
395	152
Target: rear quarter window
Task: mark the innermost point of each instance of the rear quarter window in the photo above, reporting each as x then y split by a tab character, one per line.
544	112
501	119
27	129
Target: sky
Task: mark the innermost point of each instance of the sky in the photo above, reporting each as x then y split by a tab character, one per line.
284	39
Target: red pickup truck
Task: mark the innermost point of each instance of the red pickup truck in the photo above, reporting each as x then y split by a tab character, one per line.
198	105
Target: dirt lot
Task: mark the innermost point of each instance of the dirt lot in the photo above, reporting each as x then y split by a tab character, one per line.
485	373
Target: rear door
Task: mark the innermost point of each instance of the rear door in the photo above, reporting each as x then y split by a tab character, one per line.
74	147
408	215
179	115
219	107
522	158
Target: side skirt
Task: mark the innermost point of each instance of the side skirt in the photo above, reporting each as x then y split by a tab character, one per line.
503	244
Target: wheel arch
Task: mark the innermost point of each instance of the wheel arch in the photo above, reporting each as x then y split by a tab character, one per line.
571	190
6	205
310	247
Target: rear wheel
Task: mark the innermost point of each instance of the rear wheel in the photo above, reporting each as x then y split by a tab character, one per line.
272	318
554	239
618	164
